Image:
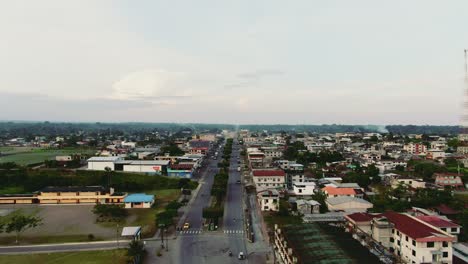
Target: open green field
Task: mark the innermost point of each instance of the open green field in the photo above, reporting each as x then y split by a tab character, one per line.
81	257
26	156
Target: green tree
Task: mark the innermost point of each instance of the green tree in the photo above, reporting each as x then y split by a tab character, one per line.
321	197
20	223
136	249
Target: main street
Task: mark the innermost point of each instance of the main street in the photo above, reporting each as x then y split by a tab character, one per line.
200	246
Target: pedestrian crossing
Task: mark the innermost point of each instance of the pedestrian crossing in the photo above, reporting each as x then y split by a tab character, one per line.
190	232
233	231
200	231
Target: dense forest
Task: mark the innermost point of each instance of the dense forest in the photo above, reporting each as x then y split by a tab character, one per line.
26	129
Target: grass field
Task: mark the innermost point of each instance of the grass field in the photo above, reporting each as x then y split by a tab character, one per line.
26	156
82	257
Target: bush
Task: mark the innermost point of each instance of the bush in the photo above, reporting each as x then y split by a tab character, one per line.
90	237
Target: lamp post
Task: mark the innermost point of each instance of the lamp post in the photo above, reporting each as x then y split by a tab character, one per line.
161	227
167	241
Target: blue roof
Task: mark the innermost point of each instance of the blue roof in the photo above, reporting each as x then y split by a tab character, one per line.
138	198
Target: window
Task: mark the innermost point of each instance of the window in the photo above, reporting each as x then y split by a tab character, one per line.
398	242
413	253
414	242
406	237
430	244
453	229
392	239
393	231
445	254
445	244
444	229
398	233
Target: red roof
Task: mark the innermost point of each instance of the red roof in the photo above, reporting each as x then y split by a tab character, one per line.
181	166
339	191
361	217
437	221
268	173
415	229
444	209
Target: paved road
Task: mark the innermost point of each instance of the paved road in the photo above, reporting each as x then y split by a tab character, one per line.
233	209
187	248
48	248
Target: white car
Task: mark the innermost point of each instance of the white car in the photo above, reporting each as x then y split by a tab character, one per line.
241	255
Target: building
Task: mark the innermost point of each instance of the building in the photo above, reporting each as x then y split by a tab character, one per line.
442	223
181	170
199	146
348	204
78	195
267	179
359	222
337	192
304	188
139	200
313	243
410	239
452	180
415	148
143	166
305	207
131	232
268	200
408	182
101	163
256	159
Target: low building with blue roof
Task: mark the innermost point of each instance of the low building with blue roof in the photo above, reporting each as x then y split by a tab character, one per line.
139	200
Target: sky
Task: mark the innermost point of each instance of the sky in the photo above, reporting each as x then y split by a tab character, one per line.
239	62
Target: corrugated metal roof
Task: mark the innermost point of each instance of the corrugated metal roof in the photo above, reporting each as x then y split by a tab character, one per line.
139	198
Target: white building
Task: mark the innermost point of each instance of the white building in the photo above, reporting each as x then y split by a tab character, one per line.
101	163
304	188
144	166
267	179
268	200
408	182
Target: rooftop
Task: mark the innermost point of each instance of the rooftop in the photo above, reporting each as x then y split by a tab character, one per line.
268	173
138	198
104	159
361	217
437	221
346	199
317	243
73	189
414	228
339	191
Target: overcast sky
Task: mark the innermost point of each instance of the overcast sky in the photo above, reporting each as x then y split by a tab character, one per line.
243	61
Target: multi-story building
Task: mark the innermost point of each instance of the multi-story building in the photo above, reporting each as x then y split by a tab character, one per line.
337	192
268	179
415	148
268	200
409	238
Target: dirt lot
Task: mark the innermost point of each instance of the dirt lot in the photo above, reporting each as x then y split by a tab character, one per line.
63	220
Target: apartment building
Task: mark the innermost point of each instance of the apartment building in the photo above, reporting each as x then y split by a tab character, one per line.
410	239
304	188
267	179
415	148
